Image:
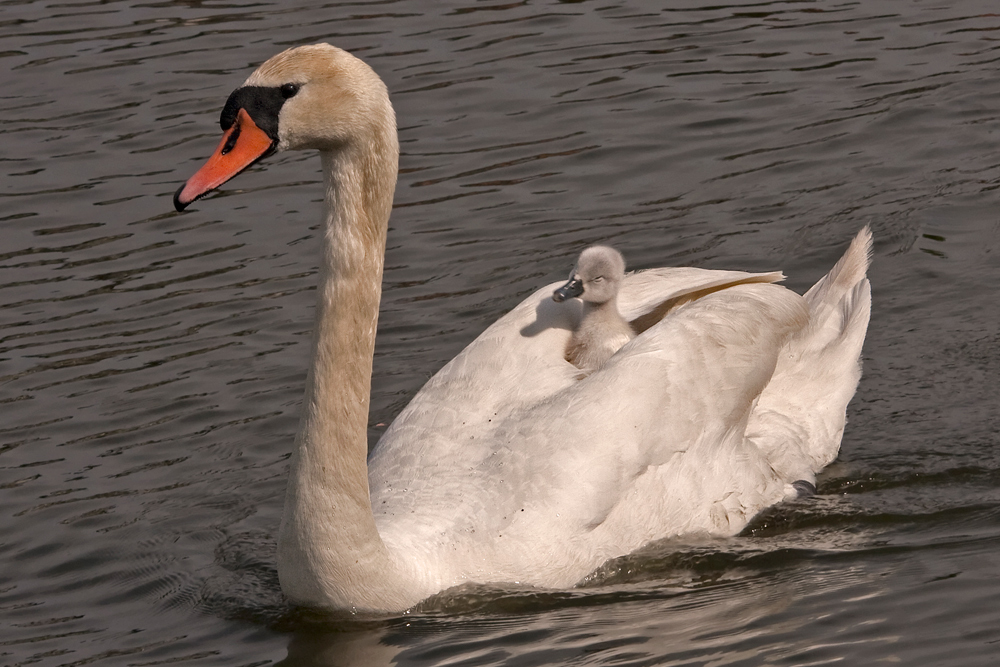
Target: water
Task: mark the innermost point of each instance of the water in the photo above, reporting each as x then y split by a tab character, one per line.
152	363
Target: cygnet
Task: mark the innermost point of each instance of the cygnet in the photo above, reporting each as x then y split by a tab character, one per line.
602	330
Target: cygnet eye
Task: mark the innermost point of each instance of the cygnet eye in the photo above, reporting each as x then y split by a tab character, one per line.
598	279
289	90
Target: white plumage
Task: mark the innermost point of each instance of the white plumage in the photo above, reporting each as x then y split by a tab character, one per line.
507	466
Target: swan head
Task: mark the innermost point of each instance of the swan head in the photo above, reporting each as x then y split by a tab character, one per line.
315	96
596	278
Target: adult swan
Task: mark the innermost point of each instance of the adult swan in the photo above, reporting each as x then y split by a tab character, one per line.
507	466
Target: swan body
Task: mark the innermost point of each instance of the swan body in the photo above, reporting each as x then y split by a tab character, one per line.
602	330
507	466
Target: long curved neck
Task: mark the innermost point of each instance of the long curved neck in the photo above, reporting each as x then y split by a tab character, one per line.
335	415
329	550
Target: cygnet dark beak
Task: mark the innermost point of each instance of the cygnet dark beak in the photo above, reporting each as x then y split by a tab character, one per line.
573	288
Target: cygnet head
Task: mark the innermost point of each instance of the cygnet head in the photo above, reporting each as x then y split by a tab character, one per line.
596	278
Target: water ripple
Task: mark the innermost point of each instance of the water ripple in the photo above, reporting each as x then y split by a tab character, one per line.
151	363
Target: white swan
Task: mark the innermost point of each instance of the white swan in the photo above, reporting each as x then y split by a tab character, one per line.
602	331
505	467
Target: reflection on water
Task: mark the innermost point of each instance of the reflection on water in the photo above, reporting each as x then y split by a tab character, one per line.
152	363
739	621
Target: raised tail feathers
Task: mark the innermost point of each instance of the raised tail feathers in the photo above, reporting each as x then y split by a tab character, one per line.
847	273
800	415
840	301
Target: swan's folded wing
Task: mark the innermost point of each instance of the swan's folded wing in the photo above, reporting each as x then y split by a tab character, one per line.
647	296
506	441
520	361
668	414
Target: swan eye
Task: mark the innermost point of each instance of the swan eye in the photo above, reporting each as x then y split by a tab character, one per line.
289	90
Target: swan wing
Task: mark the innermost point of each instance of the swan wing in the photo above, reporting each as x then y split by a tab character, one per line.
516	363
509	464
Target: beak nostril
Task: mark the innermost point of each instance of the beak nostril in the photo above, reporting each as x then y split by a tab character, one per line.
242	145
231	140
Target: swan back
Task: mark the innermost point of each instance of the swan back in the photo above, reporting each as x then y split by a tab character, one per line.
539	466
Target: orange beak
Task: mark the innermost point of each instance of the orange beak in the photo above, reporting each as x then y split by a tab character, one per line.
243	144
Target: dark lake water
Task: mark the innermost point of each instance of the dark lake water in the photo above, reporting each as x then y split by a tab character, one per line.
152	363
